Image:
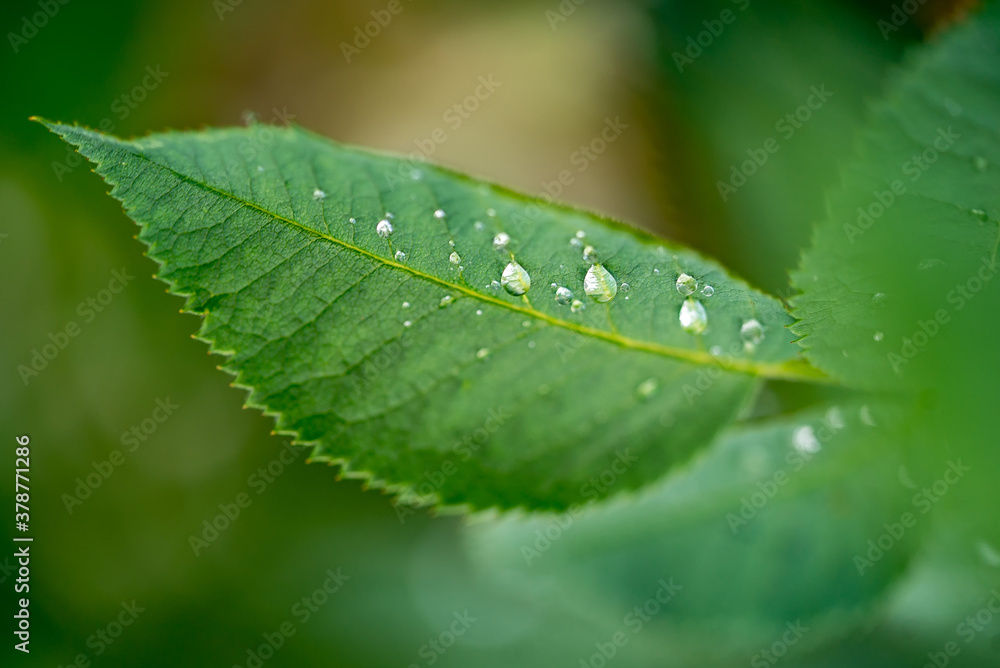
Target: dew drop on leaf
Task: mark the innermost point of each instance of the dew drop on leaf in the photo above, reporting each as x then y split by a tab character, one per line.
564	295
624	287
878	336
752	332
319	194
590	254
646	388
692	316
446	301
600	284
400	256
577	306
879	299
501	241
482	353
686	284
406	304
454	258
706	291
515	279
439	213
804	440
384	228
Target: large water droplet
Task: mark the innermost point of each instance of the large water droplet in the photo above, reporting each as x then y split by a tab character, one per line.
686	284
455	258
752	332
804	440
515	279
564	295
600	284
319	194
400	256
384	228
439	213
501	241
692	316
590	254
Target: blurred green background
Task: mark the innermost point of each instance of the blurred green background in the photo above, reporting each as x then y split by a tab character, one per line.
61	239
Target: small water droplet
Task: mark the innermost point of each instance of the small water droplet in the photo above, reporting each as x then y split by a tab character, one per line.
600	284
260	168
400	256
577	306
388	215
491	212
553	285
482	353
531	344
525	323
580	234
454	258
706	291
416	174
494	286
479	311
686	284
656	271
625	287
980	215
982	164
879	299
407	323
501	241
866	416
479	226
515	279
716	351
646	388
804	440
564	295
575	243
352	220
692	316
752	332
878	336
406	304
319	194
439	213
384	228
835	418
446	301
589	254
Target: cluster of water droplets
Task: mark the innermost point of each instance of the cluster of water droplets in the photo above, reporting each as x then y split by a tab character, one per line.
692	315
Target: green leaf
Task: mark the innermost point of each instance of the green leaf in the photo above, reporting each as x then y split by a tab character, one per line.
419	371
911	235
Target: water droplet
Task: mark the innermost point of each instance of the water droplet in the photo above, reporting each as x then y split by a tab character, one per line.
716	351
384	228
646	388
491	212
625	287
319	194
388	215
515	279
479	226
564	296
494	286
929	263
407	323
455	258
553	285
580	234
866	416
439	213
400	256
525	323
482	353
686	284
501	241
980	215
589	254
982	164
600	284
835	418
577	306
406	304
752	332
531	344
804	440
479	311
575	243
879	299
878	336
416	174
692	316
656	271
447	300
352	220
260	168
706	291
